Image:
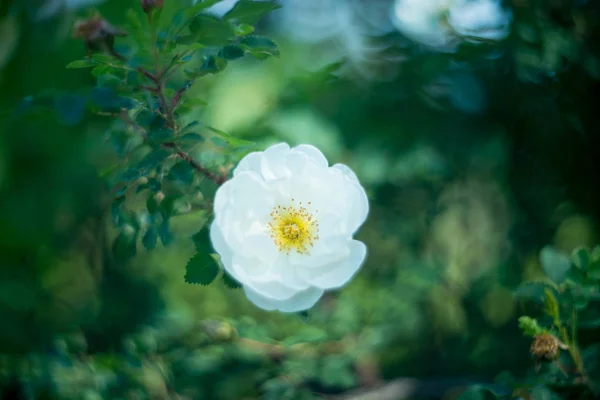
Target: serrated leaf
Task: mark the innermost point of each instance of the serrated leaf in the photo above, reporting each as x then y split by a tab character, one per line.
250	12
81	64
230	282
201	269
150	238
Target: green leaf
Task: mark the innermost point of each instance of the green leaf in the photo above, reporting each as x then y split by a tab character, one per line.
530	326
191	139
201	269
150	238
230	282
124	246
232	141
210	30
581	258
164	231
81	64
231	52
202	240
260	47
544	393
243	29
160	135
250	12
337	372
477	393
152	160
532	290
555	264
182	172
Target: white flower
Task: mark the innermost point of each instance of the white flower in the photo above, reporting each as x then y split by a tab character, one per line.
442	24
284	224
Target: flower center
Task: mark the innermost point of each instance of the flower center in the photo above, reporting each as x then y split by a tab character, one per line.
293	228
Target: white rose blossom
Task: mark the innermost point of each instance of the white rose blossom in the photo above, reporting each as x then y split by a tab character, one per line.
443	24
284	223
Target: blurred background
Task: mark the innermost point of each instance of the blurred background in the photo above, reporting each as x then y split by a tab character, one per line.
474	158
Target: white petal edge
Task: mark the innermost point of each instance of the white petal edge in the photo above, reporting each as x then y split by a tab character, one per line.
251	162
301	301
336	275
313	153
222	249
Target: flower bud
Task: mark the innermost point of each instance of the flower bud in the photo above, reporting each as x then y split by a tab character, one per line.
97	34
546	346
149	5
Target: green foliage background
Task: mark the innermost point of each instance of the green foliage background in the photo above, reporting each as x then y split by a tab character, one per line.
461	205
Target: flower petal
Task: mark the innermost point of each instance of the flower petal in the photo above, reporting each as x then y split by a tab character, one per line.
251	162
220	246
336	275
313	153
299	302
273	164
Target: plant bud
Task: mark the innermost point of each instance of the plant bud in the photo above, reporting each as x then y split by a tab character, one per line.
546	346
97	34
149	5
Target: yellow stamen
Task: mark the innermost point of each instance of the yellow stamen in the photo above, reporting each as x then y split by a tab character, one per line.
293	228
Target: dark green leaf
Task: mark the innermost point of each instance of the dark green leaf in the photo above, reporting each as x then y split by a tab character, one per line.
231	52
211	31
115	209
164	231
219	141
477	393
533	291
182	172
152	205
152	160
160	135
81	64
259	46
124	246
250	12
581	258
191	139
201	269
150	238
201	240
230	282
